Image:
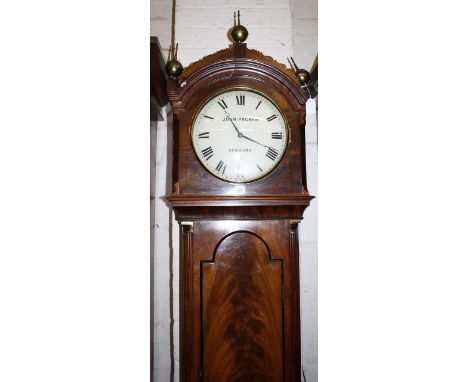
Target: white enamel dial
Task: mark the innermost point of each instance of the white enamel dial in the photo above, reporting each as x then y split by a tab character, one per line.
239	135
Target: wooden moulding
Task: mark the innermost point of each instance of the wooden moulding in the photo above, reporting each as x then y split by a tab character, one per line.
248	208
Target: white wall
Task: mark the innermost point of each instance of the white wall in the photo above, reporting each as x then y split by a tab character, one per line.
305	36
308	254
280	28
166	262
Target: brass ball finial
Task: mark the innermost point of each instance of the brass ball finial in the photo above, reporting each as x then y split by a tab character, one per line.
302	74
173	67
239	33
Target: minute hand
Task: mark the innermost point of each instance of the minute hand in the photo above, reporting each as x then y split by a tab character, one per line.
258	143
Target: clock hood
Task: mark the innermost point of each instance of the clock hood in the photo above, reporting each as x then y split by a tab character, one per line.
234	62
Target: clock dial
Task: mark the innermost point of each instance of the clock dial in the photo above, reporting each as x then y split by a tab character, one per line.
239	135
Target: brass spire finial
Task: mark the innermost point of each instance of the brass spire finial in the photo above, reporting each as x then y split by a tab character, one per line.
173	67
239	33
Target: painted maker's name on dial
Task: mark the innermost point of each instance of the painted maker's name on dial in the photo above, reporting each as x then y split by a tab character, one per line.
247	119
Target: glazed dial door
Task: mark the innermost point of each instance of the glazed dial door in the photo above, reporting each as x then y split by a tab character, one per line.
240	135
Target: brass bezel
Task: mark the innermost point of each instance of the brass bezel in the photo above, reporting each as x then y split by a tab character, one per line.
248	89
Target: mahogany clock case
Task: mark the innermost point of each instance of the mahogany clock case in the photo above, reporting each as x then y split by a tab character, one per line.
239	258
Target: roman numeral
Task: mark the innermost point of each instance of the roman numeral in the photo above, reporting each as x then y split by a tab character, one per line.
222	104
240	100
207	153
207	116
276	135
206	134
272	153
259	168
271	118
221	165
258	105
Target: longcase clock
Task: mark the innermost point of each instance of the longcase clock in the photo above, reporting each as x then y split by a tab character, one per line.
239	191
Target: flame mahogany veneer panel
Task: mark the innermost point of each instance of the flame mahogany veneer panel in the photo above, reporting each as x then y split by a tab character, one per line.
242	312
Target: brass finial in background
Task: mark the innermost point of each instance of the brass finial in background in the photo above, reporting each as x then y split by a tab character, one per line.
302	74
173	67
239	33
